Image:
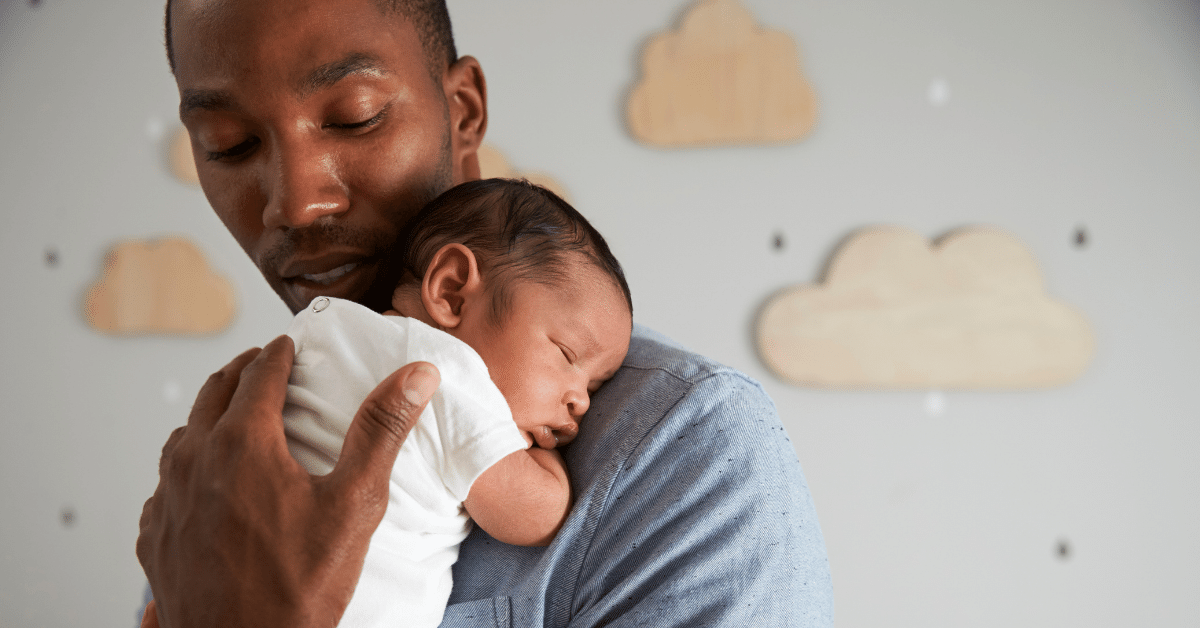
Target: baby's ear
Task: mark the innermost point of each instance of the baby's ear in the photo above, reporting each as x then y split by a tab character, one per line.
451	281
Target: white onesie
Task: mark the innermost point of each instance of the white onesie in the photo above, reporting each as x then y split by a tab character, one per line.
342	351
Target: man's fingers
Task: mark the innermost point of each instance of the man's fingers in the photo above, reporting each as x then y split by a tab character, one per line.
150	616
150	515
214	396
168	450
380	427
261	391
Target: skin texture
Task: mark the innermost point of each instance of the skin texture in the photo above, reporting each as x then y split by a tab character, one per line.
555	347
318	132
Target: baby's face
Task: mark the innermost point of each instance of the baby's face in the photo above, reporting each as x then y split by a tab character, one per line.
554	349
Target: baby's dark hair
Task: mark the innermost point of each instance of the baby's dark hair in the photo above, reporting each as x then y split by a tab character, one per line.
517	231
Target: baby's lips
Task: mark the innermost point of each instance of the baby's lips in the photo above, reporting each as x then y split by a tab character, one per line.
545	438
567	433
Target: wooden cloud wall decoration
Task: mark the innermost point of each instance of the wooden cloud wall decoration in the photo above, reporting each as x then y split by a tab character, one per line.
969	311
720	80
179	152
159	287
492	163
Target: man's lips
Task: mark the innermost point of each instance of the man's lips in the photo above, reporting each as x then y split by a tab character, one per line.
328	277
324	269
344	276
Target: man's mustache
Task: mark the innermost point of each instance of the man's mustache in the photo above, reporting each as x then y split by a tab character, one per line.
319	237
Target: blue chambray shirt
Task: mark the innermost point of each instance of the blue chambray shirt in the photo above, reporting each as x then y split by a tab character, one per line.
690	510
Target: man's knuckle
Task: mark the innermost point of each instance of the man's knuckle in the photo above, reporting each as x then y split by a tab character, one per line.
176	469
215	379
367	498
393	416
142	547
225	438
172	443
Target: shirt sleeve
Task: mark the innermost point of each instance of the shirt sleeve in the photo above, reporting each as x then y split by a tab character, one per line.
709	523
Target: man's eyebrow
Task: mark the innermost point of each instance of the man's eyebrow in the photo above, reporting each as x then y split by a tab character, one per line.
207	99
320	78
330	73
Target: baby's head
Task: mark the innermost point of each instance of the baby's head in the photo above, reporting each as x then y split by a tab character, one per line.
516	273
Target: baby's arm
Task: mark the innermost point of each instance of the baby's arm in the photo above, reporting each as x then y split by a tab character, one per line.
523	499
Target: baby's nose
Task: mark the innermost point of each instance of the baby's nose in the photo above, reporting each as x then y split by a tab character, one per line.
577	403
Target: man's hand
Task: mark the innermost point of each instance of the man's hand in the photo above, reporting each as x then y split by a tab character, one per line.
238	533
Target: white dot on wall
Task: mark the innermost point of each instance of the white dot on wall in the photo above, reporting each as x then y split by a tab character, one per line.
155	127
939	92
171	391
935	403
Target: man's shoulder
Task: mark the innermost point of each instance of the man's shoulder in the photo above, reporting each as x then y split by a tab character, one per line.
665	396
652	351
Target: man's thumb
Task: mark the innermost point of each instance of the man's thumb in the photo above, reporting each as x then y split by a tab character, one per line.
381	425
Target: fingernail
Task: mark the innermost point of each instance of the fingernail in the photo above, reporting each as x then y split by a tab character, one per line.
421	383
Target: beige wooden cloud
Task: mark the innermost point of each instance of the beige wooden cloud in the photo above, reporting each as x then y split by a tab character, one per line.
970	312
159	287
179	153
492	163
720	79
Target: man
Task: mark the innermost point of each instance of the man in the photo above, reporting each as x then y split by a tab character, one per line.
319	127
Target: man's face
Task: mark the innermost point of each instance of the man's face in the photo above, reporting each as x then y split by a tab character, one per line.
318	132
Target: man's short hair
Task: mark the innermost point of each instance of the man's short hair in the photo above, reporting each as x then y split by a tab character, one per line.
430	18
517	231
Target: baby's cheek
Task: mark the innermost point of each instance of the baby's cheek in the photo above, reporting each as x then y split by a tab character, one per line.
531	402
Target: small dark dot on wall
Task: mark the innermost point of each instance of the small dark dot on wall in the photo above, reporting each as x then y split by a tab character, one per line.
52	257
1063	549
67	516
1081	237
777	241
35	3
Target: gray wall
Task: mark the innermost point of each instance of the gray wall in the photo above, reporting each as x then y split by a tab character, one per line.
1063	114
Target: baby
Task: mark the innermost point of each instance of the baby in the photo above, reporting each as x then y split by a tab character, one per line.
524	310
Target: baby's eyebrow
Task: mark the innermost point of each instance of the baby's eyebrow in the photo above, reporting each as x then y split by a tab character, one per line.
589	343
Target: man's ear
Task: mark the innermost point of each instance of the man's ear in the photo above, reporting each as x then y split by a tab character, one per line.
466	98
451	282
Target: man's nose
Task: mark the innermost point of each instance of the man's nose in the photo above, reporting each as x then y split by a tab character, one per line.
302	185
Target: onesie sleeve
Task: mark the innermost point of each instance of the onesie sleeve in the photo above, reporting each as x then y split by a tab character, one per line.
475	425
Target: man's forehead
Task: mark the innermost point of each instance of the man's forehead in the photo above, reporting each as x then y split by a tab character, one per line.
317	41
212	8
220	19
